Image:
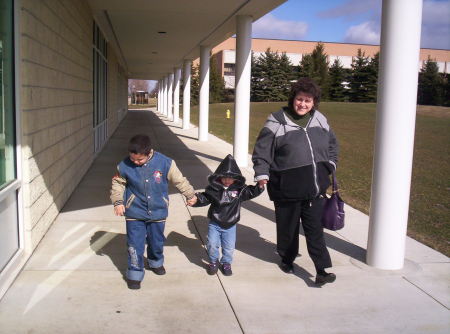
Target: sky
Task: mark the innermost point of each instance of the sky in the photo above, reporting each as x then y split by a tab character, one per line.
348	21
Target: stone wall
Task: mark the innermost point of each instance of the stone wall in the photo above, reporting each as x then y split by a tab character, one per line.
56	73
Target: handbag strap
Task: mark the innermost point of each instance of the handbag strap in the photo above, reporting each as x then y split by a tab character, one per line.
335	185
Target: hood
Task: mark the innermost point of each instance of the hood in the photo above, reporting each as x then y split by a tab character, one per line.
227	168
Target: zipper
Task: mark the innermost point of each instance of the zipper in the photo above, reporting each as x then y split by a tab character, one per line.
313	160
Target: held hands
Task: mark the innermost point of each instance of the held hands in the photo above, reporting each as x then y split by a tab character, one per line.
119	210
261	183
191	201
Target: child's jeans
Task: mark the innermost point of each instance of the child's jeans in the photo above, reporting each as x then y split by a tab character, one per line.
218	236
138	233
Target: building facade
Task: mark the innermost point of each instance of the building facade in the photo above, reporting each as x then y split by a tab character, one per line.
63	93
226	55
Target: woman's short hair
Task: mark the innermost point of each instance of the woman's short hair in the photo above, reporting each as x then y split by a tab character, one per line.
304	85
140	144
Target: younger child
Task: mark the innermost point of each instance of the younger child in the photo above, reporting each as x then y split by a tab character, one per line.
225	192
140	193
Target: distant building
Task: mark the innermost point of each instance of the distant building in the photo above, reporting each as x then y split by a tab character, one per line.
345	52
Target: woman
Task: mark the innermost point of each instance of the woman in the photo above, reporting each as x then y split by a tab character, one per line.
294	154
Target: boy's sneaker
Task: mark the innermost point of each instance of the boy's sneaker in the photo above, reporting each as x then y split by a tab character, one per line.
226	269
159	270
212	268
133	285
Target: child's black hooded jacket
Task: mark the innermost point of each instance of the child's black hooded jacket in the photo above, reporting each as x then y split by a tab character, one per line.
226	203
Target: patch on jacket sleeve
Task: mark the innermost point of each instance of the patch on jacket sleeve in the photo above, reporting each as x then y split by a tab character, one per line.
157	175
234	193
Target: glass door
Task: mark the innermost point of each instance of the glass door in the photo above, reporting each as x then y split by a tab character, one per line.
9	225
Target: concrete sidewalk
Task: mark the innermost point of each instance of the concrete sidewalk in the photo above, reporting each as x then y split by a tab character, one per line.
74	281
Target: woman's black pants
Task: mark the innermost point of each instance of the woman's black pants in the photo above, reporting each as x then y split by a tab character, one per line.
288	215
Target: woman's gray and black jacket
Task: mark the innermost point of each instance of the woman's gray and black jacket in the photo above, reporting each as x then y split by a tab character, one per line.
297	161
225	207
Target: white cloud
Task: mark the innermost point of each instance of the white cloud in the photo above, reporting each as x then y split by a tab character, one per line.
270	27
364	33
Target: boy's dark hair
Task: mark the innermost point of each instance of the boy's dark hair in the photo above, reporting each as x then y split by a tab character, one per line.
304	85
140	144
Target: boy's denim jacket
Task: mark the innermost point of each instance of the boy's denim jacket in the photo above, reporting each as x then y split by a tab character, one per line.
144	189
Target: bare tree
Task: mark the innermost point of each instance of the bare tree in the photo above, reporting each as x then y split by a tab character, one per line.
135	85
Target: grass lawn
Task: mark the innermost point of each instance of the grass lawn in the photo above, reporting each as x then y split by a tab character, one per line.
354	125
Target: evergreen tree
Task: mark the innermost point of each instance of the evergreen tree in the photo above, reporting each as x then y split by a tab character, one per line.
431	85
337	77
216	83
271	74
320	69
372	83
306	67
287	70
360	79
315	66
446	90
195	85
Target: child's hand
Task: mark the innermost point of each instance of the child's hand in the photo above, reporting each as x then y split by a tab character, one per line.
191	201
119	210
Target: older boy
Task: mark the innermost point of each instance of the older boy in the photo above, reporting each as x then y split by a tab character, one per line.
140	193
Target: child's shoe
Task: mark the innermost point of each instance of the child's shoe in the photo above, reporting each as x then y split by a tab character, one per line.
133	285
159	270
226	269
212	268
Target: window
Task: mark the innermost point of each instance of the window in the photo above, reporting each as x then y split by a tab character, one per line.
229	69
7	126
100	77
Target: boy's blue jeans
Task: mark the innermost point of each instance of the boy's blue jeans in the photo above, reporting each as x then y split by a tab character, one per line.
218	236
138	233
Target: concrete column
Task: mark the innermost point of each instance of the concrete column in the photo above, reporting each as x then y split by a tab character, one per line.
186	94
176	95
170	96
242	89
204	93
394	136
159	95
164	97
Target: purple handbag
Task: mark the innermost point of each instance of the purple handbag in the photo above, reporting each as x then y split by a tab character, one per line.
333	210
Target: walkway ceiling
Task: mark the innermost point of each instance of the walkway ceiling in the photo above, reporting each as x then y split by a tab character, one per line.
151	37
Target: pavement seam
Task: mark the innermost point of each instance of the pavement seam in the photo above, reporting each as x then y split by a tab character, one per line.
217	275
418	287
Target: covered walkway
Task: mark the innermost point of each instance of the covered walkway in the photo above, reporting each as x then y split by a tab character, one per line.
74	283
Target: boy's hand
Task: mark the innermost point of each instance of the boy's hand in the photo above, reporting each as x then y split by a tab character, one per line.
119	210
191	201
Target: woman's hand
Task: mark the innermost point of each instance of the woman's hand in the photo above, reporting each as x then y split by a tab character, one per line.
261	183
119	210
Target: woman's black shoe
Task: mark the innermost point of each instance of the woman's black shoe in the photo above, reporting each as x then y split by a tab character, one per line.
322	279
286	267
